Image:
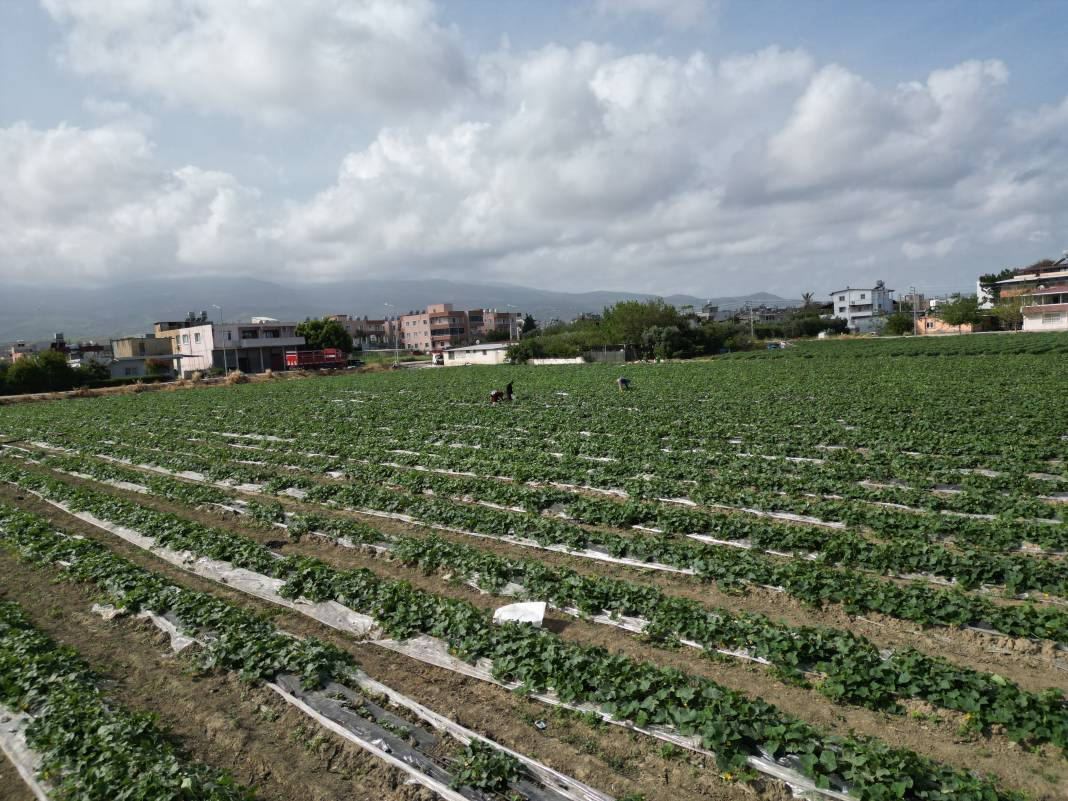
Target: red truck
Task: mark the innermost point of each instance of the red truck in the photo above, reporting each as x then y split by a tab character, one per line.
309	359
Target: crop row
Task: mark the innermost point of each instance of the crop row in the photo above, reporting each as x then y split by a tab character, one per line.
851	667
906	553
734	568
728	723
90	748
230	639
709	479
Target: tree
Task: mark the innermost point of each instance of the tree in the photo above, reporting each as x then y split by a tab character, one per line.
960	311
493	335
898	323
628	319
1010	313
325	333
807	298
46	371
529	324
989	282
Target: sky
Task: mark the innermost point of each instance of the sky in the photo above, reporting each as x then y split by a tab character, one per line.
706	147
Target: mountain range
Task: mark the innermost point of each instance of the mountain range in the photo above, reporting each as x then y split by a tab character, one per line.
36	313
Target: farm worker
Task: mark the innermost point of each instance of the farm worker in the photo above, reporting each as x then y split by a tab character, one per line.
508	391
495	396
624	384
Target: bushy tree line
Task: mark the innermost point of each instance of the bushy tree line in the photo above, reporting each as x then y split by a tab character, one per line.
46	371
655	329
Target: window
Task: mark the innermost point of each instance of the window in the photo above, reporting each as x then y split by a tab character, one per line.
841	309
1050	318
841	297
229	335
185	339
863	295
196	338
131	371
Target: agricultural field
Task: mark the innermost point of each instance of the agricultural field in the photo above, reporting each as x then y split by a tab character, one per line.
835	571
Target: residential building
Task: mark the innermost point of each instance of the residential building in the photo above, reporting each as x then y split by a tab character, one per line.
928	324
251	347
441	327
484	321
85	354
131	356
20	349
366	333
489	353
1049	309
1027	279
863	309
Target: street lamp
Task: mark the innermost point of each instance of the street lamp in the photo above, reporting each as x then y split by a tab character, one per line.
396	335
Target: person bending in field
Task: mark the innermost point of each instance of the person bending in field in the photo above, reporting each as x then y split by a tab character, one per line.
624	383
508	392
495	396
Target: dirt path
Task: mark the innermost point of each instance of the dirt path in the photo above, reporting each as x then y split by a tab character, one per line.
248	731
606	757
12	788
933	733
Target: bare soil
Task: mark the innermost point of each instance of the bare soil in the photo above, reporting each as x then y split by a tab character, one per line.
606	757
938	734
248	731
12	788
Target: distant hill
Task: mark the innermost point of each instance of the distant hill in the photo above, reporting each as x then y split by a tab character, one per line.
36	313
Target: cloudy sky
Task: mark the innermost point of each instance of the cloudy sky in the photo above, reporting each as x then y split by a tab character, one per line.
703	146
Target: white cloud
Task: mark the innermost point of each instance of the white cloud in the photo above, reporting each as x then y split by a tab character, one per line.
94	203
272	61
584	167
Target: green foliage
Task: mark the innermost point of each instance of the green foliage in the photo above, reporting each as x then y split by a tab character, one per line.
44	371
898	323
628	320
91	749
962	310
483	767
325	333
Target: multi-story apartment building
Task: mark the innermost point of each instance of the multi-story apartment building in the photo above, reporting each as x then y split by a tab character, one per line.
1049	309
365	332
1039	276
863	309
440	327
251	347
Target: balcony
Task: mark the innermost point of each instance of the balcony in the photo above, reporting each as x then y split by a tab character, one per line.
261	342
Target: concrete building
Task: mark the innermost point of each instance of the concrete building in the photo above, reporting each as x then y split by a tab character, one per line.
863	309
131	356
484	321
442	327
251	347
490	353
366	333
1048	311
20	350
1027	279
932	325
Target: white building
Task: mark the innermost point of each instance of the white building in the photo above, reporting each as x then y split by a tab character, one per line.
490	353
863	309
251	347
1050	310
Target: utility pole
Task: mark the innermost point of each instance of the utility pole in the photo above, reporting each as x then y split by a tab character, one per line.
915	302
749	306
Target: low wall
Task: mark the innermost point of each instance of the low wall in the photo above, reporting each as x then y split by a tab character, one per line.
573	360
